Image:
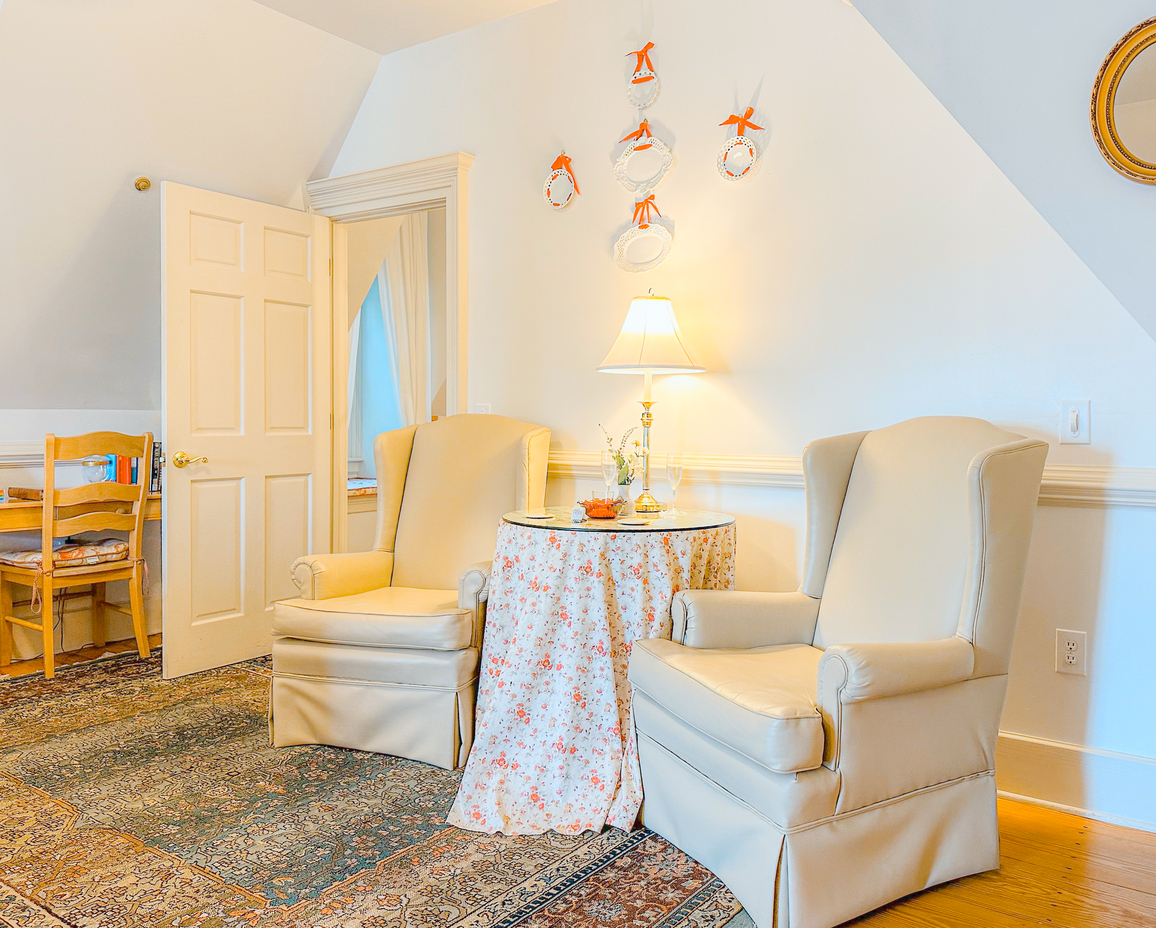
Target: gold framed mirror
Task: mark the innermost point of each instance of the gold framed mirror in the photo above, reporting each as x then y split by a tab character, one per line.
1124	105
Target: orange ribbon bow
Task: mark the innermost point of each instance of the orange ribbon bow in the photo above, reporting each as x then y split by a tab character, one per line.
643	55
743	122
562	163
643	130
642	210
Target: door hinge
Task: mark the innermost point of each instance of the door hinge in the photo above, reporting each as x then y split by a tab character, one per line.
330	267
331	422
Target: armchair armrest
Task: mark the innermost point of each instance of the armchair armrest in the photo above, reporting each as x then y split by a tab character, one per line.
473	590
325	576
854	672
877	698
474	585
734	619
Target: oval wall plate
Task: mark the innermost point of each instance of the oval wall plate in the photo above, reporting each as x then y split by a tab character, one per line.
643	86
643	164
559	189
643	93
643	247
738	158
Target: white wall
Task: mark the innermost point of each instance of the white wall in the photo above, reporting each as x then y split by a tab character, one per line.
1018	77
223	94
880	266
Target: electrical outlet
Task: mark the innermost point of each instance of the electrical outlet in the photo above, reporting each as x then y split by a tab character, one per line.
482	409
1071	652
1076	422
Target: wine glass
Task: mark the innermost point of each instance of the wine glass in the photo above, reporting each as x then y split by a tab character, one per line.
609	469
674	477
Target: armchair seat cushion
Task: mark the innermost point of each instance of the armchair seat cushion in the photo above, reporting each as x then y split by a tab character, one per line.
390	617
760	702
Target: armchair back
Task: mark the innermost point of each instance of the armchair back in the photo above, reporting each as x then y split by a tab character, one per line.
443	487
931	536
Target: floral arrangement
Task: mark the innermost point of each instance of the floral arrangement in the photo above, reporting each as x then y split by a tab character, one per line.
624	461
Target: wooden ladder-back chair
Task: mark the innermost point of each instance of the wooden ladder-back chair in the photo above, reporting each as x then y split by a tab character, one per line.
93	507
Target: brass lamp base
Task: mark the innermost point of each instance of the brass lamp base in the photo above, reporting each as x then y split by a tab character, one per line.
647	503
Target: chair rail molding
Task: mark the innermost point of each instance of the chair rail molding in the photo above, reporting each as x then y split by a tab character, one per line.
1063	484
432	183
24	454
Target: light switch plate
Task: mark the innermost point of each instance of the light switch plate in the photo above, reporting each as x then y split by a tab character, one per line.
1071	652
1076	422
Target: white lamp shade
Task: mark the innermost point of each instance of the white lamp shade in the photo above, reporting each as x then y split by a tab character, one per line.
649	341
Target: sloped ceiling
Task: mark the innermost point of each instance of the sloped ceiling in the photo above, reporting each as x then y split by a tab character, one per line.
1018	78
223	94
386	26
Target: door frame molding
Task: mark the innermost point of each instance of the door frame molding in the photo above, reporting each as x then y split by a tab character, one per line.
432	183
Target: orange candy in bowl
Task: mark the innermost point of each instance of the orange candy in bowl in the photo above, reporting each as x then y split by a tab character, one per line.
602	508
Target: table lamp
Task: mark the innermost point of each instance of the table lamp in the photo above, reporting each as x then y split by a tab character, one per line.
650	343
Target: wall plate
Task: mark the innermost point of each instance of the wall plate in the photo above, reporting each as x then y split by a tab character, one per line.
1076	422
1071	652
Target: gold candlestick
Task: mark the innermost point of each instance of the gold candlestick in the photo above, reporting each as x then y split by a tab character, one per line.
646	502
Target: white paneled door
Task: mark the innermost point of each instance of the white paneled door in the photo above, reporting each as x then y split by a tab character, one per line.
247	386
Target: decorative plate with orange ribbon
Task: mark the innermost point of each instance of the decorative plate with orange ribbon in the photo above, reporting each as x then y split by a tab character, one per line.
560	187
739	156
644	84
644	162
646	244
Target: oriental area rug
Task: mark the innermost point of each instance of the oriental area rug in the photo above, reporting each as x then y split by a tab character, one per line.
129	801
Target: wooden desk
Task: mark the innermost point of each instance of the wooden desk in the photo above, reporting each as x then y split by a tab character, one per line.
28	515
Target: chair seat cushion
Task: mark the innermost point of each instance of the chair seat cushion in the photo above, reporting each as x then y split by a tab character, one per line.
424	667
390	617
760	702
70	555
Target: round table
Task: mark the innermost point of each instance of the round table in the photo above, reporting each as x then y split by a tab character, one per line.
554	740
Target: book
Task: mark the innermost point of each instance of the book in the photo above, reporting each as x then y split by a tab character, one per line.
123	469
155	472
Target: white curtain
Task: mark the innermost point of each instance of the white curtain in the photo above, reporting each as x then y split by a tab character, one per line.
403	283
353	407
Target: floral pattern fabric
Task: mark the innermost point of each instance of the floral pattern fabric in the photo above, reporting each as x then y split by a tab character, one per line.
554	744
70	555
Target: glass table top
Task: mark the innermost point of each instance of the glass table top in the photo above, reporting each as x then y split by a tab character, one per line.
558	517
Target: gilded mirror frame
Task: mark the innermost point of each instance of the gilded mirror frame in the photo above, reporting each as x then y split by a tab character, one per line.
1104	98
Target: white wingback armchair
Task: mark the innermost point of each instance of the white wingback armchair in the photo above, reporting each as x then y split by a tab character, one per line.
830	750
380	651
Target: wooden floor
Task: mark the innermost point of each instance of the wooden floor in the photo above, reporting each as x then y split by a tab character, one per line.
64	658
1057	869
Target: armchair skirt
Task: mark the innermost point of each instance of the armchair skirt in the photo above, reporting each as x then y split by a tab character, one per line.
342	695
392	670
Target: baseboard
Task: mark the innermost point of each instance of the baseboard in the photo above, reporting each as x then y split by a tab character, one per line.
1104	785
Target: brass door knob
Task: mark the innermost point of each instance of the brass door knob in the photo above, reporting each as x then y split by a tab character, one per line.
180	459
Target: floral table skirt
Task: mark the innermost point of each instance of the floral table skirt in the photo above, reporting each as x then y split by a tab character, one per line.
554	744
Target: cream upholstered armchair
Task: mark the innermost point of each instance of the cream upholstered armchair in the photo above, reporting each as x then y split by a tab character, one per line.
380	651
829	750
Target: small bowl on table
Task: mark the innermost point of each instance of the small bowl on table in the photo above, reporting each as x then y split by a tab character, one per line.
602	508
